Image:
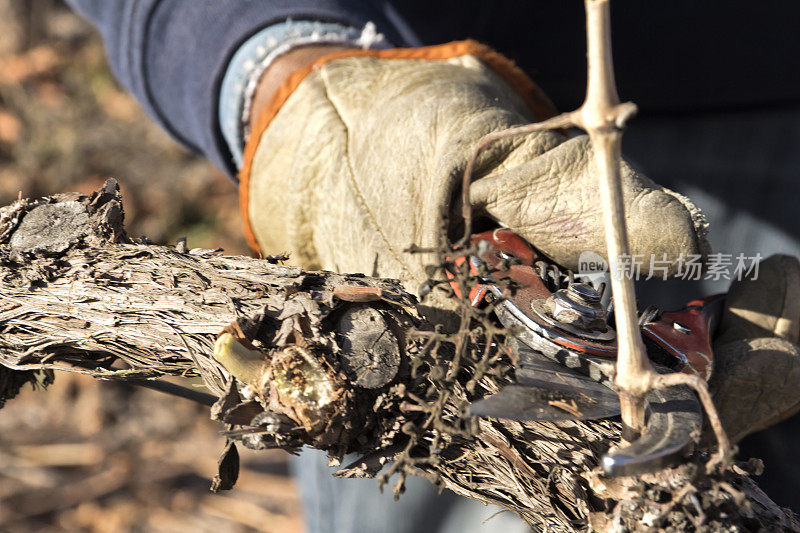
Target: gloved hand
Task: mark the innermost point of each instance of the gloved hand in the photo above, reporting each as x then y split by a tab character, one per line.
757	360
363	156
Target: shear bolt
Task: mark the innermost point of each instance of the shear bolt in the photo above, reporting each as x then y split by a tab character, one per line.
583	293
579	306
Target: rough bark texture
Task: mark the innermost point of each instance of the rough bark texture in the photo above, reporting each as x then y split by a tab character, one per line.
345	363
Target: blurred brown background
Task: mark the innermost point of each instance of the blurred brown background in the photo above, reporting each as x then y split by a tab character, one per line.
96	456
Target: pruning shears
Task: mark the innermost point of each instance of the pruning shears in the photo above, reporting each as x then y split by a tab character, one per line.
565	347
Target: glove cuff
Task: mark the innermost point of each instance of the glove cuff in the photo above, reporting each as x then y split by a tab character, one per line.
533	96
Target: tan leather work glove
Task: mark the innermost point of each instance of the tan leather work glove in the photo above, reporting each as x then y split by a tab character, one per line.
757	360
362	155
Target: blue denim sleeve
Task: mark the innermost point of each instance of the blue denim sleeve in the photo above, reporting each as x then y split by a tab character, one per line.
173	54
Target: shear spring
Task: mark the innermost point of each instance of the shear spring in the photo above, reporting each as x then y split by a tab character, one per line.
553	277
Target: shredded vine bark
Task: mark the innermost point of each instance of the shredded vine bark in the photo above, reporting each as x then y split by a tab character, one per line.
343	363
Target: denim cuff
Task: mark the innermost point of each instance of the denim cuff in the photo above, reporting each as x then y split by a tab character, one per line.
253	58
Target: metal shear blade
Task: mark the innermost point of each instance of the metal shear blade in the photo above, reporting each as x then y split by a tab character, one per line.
560	373
546	391
674	421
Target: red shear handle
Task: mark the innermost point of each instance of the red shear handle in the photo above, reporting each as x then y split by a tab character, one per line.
687	334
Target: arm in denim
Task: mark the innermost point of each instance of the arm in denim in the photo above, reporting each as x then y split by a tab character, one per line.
172	55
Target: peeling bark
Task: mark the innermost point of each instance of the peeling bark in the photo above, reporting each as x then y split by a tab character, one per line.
341	362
